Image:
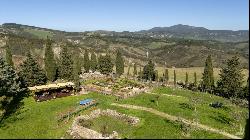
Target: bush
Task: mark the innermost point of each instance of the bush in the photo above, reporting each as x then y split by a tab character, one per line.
85	123
216	105
186	106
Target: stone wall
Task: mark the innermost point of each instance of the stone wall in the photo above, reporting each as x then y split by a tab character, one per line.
92	75
134	91
78	131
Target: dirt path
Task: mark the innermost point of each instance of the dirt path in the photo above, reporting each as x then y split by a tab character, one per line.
174	118
164	94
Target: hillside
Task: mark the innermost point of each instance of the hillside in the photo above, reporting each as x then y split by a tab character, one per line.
175	52
199	33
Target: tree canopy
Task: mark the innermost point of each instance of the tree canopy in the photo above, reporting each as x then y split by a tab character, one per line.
31	72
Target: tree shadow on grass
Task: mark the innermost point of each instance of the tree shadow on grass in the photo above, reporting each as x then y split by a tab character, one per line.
14	109
222	119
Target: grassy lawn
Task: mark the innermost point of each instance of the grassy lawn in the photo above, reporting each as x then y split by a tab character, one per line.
39	119
152	126
229	118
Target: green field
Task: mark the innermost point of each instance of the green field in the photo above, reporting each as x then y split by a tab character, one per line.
181	73
39	119
40	33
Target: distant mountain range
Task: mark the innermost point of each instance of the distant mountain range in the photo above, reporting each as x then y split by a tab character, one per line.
198	33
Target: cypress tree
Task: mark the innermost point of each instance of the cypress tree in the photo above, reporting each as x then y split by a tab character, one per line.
76	72
86	63
208	78
31	72
9	56
174	78
166	78
49	61
156	76
77	62
66	64
135	70
12	90
128	72
195	79
119	63
93	64
186	81
105	64
246	133
148	71
231	79
246	90
140	74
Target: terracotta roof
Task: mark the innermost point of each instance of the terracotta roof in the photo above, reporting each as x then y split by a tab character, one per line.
57	85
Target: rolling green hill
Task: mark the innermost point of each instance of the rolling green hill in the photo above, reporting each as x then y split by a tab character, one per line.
175	52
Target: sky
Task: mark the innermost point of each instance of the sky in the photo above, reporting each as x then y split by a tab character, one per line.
126	15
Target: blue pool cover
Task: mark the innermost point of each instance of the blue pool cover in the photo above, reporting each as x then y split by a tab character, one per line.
83	102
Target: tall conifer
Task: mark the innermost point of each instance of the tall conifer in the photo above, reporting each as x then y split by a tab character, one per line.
31	72
230	83
9	56
66	64
86	62
208	77
49	61
93	62
119	63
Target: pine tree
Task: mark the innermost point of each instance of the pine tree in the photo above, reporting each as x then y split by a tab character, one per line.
31	72
231	79
208	78
12	90
105	64
186	81
9	56
135	70
93	64
86	63
49	61
66	65
119	63
174	78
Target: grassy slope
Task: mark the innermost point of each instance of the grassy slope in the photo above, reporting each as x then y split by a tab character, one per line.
224	118
38	120
39	33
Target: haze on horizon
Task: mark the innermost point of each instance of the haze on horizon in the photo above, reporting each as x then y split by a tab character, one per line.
126	15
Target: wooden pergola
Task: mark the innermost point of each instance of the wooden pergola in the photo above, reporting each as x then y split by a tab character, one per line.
47	92
51	86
